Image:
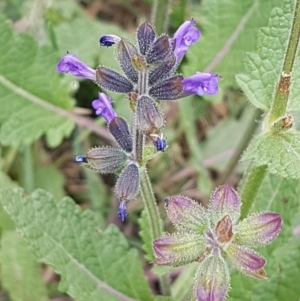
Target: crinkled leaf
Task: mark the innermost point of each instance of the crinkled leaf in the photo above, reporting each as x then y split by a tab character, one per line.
229	29
281	153
94	264
28	76
265	66
19	270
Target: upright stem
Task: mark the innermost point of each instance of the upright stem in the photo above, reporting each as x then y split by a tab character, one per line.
253	180
280	101
159	15
155	221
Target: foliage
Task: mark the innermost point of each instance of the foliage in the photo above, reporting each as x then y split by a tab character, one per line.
46	120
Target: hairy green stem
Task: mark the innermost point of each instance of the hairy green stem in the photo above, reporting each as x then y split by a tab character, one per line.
243	143
160	14
254	178
155	221
279	104
250	187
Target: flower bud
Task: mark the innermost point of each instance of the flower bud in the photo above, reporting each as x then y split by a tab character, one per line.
112	80
164	70
225	201
178	249
186	214
168	89
125	51
106	159
145	37
118	127
160	50
81	159
258	229
128	183
109	40
150	118
212	280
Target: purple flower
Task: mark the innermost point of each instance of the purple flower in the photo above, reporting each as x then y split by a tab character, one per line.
211	236
186	35
109	40
201	83
70	63
103	107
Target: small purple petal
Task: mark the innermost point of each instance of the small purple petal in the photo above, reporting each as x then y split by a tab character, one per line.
178	249
212	280
122	212
201	83
244	258
70	63
109	40
186	214
258	229
103	107
186	35
225	201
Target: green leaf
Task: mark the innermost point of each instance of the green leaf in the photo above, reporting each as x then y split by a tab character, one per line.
145	234
264	67
94	264
19	270
229	29
282	196
281	153
31	91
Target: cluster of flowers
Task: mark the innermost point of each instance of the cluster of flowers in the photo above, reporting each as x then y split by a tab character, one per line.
212	236
149	77
209	236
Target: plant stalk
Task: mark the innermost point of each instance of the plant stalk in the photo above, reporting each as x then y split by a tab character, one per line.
253	179
280	101
159	15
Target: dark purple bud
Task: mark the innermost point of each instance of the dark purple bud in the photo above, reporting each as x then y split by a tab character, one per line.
106	159
186	35
109	40
201	83
122	212
128	183
112	80
160	50
159	142
81	159
70	63
164	70
103	107
145	37
125	52
169	89
118	127
150	118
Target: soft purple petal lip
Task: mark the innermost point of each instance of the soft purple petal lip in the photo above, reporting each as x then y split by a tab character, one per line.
259	229
103	107
201	83
70	63
186	35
